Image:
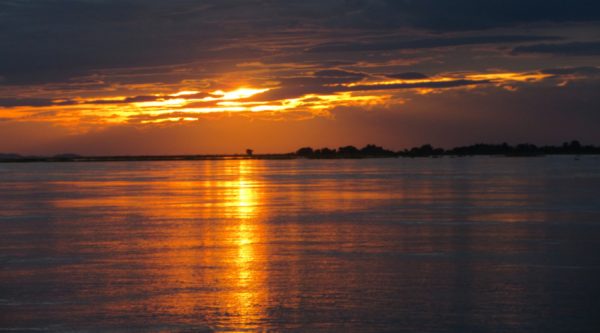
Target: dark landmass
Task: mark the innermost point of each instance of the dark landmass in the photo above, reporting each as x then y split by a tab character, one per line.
369	151
504	149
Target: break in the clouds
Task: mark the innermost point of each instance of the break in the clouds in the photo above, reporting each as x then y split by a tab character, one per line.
71	72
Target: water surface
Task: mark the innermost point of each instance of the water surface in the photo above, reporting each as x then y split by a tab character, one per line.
418	245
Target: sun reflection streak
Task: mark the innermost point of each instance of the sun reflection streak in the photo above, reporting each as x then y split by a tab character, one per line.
210	248
249	285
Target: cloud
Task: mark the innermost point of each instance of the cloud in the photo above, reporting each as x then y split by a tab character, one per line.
135	99
586	71
55	41
43	102
146	98
334	73
316	80
59	40
297	91
561	49
408	76
33	102
462	15
427	84
425	43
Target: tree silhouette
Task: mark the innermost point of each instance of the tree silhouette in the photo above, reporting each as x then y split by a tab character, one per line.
348	150
305	152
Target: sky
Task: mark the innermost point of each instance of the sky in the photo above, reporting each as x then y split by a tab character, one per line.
99	77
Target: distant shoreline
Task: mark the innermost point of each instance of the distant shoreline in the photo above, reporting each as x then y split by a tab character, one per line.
347	152
234	158
134	158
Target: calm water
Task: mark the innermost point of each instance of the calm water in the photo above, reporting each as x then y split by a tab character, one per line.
418	245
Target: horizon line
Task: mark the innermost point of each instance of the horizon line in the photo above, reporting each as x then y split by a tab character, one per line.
368	151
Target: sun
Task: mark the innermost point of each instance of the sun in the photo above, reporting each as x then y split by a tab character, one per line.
239	93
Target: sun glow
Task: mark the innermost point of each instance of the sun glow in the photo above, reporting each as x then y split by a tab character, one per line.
238	93
188	104
236	101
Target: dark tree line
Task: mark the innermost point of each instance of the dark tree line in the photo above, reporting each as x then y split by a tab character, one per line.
345	152
524	149
503	149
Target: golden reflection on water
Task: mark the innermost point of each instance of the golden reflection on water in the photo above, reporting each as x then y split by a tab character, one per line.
250	245
200	233
210	251
249	297
237	251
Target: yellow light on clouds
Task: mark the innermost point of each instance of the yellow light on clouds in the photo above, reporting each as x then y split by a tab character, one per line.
238	93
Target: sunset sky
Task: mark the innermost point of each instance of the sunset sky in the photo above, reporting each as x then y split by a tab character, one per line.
219	76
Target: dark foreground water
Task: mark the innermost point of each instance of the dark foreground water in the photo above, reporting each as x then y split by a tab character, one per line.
417	245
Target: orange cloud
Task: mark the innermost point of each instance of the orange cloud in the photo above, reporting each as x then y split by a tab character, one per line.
315	93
